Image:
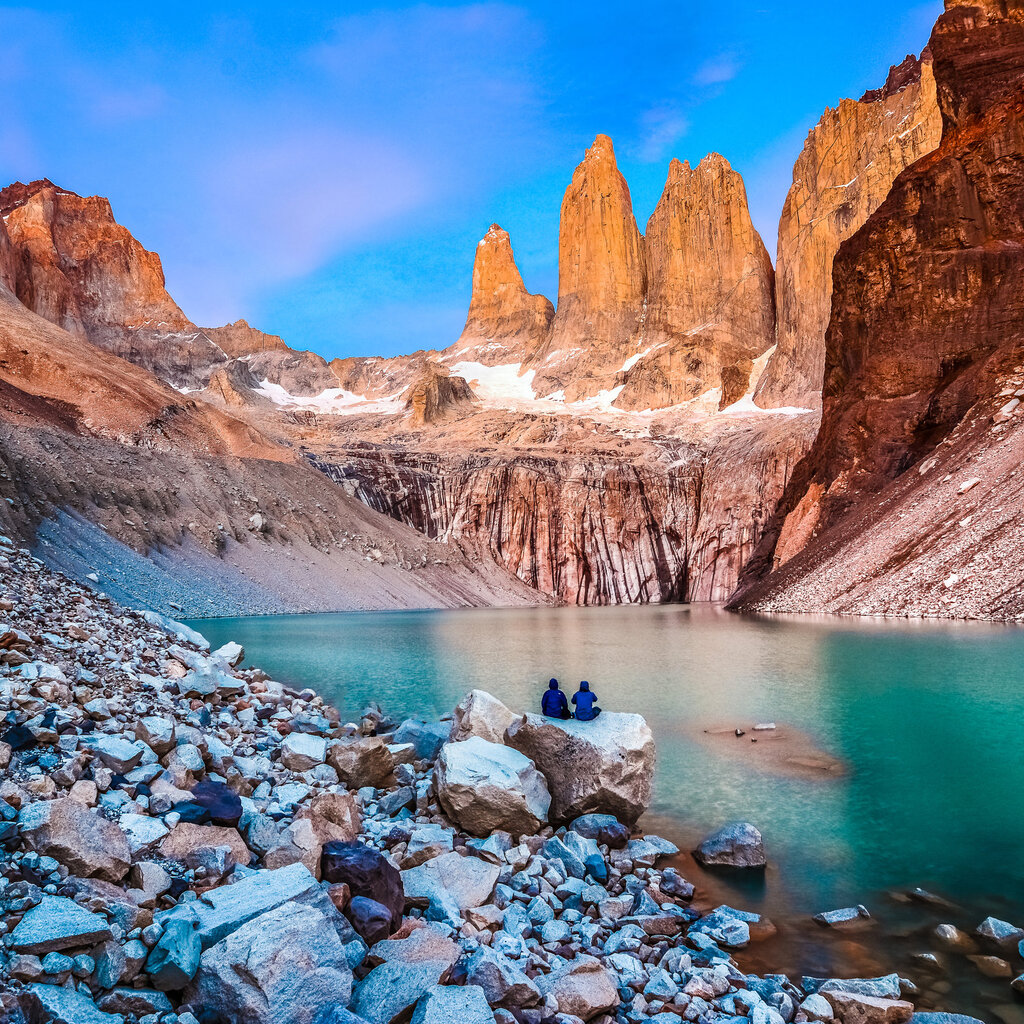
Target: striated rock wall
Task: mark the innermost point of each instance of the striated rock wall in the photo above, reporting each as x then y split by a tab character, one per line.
505	323
710	293
239	339
925	350
668	522
847	166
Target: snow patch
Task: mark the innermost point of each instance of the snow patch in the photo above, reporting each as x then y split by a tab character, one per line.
502	383
335	401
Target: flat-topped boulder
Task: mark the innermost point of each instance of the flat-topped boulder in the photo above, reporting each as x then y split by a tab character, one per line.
605	766
485	786
481	714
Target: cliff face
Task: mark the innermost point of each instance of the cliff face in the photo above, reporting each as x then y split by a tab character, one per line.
848	164
602	280
239	339
505	323
75	266
585	522
924	354
710	295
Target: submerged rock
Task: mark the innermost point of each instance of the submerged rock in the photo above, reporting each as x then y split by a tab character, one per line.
736	845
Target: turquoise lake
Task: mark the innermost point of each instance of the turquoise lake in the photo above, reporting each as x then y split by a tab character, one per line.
927	720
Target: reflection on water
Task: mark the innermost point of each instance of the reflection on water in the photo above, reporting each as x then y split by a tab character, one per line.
927	719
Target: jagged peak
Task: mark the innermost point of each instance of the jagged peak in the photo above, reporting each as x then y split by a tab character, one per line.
907	72
18	193
601	149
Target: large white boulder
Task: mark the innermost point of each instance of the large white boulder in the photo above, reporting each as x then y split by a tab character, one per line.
486	786
481	714
605	766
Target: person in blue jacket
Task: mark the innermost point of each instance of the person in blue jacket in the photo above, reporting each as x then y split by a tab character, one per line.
553	703
586	703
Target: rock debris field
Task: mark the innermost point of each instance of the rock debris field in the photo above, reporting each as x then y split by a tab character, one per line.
184	841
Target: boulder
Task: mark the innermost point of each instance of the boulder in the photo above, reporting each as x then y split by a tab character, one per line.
736	845
602	828
114	752
427	738
282	967
364	761
157	732
1001	933
481	714
426	842
232	653
943	1018
451	881
87	843
503	983
57	1005
485	786
425	943
583	987
604	766
174	960
301	751
367	873
854	1008
57	923
220	911
451	1004
371	920
389	992
211	803
187	843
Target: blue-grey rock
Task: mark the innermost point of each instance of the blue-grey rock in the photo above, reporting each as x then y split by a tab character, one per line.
58	1005
885	987
279	968
736	845
426	737
845	916
136	1001
503	983
450	1004
389	992
602	828
58	923
370	919
174	960
1001	933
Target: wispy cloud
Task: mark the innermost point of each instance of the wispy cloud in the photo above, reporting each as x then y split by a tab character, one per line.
717	70
659	130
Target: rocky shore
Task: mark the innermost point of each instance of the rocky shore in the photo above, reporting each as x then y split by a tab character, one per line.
185	841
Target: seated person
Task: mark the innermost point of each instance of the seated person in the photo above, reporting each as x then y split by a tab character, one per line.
586	703
553	703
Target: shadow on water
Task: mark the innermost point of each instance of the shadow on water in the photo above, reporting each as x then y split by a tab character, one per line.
925	719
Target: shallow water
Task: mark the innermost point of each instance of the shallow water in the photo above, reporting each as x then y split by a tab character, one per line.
928	720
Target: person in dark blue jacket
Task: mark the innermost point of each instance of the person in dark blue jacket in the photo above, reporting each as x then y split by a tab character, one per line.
586	703
553	703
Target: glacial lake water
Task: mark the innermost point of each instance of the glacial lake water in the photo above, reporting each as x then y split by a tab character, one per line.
926	720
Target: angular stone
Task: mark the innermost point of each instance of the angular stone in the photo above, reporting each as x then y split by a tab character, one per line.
451	879
503	983
604	766
186	843
301	752
602	828
583	988
174	960
157	732
366	872
136	1001
736	845
481	714
485	786
58	1005
282	967
450	1004
389	992
57	923
365	761
220	911
114	752
78	837
426	943
142	831
427	738
853	1008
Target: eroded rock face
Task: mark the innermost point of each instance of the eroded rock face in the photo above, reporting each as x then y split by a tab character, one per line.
505	323
710	293
848	164
239	339
602	277
435	395
605	766
924	354
78	268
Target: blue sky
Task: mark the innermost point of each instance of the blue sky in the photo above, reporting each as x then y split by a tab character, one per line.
325	170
